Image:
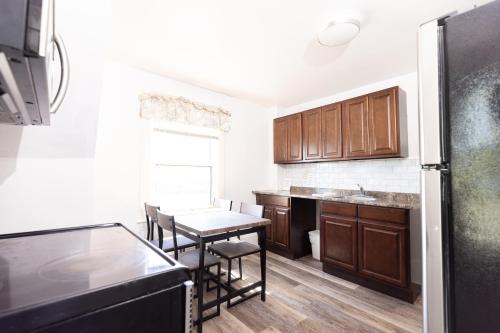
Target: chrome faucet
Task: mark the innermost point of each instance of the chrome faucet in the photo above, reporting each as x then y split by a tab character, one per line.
361	190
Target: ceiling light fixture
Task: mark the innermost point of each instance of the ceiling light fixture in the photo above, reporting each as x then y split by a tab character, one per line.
339	32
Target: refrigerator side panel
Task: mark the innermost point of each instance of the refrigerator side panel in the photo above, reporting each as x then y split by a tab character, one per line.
472	44
429	92
432	254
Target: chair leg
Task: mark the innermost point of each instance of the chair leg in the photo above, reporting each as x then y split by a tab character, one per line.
218	287
208	280
241	270
229	280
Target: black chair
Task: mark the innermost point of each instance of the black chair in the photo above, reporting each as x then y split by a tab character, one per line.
164	243
237	249
191	259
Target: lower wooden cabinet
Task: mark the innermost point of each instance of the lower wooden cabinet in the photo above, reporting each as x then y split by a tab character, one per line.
269	214
383	251
339	239
368	245
281	224
290	223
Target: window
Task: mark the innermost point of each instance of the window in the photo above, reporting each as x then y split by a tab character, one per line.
183	169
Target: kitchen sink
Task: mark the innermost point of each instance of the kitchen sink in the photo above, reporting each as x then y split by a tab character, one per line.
361	197
326	195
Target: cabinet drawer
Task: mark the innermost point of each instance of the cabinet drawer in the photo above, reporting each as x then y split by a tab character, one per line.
273	200
338	208
396	215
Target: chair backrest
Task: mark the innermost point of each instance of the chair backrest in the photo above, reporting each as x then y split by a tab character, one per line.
151	213
223	203
167	222
254	210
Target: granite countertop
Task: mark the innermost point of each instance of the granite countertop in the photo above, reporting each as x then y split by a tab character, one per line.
382	199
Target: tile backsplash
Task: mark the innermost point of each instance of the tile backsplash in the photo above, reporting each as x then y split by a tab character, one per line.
392	175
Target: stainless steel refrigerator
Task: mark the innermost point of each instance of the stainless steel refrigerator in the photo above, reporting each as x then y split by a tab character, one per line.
459	105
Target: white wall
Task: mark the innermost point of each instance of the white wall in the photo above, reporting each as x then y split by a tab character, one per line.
122	143
394	175
85	168
46	173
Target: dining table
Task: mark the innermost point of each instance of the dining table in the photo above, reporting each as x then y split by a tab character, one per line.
211	225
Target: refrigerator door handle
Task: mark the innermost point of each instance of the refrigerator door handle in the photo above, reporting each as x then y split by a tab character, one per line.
429	92
432	253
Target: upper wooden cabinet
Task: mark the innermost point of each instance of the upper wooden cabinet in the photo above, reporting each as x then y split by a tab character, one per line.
358	128
280	139
294	149
311	125
356	133
331	131
288	138
383	122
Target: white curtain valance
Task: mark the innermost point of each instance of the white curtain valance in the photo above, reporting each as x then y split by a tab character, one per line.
184	111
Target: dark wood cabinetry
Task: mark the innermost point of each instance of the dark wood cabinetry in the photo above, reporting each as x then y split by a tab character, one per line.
269	214
290	223
294	151
311	124
340	235
368	245
382	251
358	128
331	131
356	133
383	123
281	230
288	138
280	139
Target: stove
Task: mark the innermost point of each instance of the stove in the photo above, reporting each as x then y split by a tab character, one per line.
100	278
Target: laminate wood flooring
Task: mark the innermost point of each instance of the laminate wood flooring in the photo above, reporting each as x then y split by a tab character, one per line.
302	298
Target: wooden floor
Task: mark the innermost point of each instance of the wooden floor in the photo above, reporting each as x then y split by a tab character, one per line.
302	298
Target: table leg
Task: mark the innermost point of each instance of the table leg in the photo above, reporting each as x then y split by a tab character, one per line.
263	248
200	284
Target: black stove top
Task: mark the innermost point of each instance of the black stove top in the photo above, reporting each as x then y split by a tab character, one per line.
40	268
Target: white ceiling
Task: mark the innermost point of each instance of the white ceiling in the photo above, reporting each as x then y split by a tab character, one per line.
266	50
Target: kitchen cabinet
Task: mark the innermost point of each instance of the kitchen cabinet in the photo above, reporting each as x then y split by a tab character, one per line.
276	208
280	139
355	127
368	245
290	223
331	131
340	239
269	214
338	230
359	128
382	251
311	124
383	123
294	136
288	138
281	227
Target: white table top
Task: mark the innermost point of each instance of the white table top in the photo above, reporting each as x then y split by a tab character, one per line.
215	221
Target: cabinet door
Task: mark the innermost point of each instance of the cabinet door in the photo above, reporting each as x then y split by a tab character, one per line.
280	140
281	227
269	214
383	122
331	131
383	251
294	133
339	241
311	122
356	134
